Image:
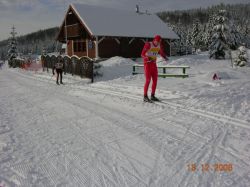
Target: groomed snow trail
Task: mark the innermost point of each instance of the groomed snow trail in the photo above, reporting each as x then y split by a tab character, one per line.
94	135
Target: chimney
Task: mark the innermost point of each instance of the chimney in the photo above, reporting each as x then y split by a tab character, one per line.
137	9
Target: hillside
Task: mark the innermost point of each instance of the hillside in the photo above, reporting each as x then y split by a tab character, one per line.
237	12
180	20
33	42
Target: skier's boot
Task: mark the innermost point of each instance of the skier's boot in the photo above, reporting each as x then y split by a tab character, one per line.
61	82
57	83
146	99
153	98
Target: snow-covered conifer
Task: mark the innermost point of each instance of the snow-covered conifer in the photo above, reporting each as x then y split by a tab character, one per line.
196	34
209	30
219	39
234	37
242	57
12	52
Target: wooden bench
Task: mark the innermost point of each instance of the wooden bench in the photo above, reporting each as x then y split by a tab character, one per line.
164	74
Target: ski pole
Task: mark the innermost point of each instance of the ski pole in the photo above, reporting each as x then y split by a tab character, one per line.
162	61
51	78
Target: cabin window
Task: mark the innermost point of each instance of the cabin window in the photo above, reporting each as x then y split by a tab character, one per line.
90	44
79	46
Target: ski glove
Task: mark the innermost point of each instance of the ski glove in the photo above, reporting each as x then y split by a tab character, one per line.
148	60
165	58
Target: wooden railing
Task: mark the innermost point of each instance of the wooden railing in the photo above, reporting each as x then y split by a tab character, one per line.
73	65
163	68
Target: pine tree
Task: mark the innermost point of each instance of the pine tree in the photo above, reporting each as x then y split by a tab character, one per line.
195	34
12	52
44	51
202	37
209	30
218	44
181	33
2	56
176	43
246	33
242	57
234	37
188	41
189	38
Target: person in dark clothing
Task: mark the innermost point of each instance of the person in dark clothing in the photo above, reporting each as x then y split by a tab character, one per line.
59	66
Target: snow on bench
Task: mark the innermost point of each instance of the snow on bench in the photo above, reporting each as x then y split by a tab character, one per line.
163	74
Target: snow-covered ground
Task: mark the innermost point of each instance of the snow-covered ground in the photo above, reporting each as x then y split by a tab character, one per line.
102	134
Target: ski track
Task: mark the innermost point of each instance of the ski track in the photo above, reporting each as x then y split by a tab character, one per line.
200	112
95	155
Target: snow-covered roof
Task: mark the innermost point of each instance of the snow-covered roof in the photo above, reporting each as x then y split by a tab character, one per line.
102	21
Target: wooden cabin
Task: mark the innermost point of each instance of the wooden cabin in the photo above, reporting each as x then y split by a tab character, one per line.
99	32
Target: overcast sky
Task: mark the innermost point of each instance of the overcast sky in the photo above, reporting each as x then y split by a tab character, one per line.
32	15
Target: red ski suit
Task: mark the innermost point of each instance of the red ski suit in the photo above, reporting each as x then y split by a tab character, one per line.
149	55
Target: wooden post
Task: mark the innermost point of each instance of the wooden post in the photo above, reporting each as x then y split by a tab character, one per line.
87	47
96	48
66	35
47	64
92	77
133	70
169	43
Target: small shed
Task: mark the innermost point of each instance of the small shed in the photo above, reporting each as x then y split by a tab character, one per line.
100	32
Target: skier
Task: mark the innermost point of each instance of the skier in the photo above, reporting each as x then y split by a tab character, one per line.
149	55
59	66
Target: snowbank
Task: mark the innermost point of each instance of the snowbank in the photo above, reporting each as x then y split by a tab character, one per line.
115	67
116	61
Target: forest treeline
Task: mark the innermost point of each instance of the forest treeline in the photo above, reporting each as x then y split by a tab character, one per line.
194	28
